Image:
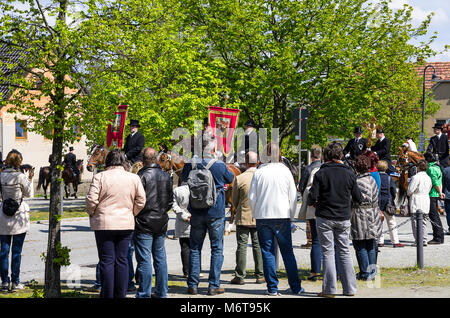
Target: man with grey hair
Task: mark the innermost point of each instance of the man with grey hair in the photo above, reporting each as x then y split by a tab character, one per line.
151	227
209	220
246	223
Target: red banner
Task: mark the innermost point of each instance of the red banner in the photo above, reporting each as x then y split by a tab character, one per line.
114	136
225	121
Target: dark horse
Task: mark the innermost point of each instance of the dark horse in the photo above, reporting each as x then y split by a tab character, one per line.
70	178
97	160
44	179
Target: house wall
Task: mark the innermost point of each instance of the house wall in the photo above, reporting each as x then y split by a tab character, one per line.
442	97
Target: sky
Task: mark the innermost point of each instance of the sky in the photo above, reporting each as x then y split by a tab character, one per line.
440	22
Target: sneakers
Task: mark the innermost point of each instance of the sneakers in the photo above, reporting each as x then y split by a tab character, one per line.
260	280
18	286
5	287
326	295
301	291
272	294
399	245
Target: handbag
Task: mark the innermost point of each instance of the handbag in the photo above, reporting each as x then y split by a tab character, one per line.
390	208
404	207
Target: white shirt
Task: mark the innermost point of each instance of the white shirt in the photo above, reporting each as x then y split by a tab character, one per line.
418	190
272	193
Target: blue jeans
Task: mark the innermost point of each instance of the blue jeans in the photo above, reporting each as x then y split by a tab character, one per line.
17	244
200	224
316	252
268	230
98	280
148	246
447	212
366	256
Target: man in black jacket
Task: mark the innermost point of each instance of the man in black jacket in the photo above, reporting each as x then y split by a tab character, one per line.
151	227
382	148
134	143
355	146
439	146
332	191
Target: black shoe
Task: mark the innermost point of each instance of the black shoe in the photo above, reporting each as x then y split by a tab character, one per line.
215	291
433	242
192	291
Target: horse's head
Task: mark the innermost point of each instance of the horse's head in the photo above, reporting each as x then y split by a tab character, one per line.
165	161
97	157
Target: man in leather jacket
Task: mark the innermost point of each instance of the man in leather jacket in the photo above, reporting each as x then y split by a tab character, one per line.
151	227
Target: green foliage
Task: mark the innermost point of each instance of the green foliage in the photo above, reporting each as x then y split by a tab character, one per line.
37	292
62	257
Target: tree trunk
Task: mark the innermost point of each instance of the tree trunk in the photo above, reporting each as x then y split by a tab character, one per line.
52	287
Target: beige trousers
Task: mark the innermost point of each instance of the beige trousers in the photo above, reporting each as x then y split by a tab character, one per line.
393	232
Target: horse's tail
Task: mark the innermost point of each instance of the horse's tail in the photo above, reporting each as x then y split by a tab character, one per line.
41	178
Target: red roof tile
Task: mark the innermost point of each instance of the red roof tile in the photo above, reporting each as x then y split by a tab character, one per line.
442	71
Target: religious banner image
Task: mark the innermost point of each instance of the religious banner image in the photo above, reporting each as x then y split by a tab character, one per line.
114	136
223	121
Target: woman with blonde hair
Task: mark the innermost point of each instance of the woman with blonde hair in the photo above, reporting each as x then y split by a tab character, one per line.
14	224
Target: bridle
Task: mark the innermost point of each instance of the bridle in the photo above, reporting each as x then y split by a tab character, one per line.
97	161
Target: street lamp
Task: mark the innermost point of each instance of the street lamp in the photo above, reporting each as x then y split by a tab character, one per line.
434	78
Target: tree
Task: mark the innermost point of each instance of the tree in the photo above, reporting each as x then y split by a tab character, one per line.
51	48
347	61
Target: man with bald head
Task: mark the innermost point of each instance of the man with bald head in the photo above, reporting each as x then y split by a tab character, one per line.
246	223
151	227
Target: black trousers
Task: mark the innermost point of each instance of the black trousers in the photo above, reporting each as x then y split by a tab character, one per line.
185	251
438	231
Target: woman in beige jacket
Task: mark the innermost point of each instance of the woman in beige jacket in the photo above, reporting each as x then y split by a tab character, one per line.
115	197
14	185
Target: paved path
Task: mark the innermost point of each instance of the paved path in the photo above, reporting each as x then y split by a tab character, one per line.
76	234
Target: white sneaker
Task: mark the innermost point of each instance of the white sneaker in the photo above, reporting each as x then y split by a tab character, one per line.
272	294
17	286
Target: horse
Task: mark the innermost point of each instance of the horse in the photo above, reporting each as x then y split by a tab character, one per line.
69	178
174	163
44	179
406	160
97	159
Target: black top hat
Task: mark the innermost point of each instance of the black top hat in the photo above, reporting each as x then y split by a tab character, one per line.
437	126
134	122
250	123
70	148
380	131
357	130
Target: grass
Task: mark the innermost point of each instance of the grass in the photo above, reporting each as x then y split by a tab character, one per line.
68	213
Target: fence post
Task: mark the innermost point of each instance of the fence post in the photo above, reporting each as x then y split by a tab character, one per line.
419	243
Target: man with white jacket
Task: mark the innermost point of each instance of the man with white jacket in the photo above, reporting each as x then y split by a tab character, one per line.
273	201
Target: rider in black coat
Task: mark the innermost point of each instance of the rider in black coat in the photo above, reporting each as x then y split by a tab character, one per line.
355	146
439	146
70	161
134	143
383	149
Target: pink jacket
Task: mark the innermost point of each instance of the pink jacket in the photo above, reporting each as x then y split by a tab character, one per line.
114	198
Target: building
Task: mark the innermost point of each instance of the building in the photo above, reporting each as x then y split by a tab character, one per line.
14	134
441	90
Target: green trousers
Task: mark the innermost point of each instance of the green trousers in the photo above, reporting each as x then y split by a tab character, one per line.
242	234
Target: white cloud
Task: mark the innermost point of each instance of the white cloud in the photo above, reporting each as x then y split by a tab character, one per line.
419	14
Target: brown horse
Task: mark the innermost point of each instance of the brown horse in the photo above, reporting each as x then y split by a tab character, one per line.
44	179
97	159
69	178
174	163
406	159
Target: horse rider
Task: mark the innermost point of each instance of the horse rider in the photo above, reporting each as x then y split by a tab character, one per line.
382	148
70	161
438	146
134	143
355	146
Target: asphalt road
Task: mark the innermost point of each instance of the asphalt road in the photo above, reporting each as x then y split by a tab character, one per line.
77	235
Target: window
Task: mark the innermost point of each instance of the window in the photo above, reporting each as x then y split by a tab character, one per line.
21	129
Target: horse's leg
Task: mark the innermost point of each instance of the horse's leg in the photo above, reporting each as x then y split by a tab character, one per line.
75	189
44	187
